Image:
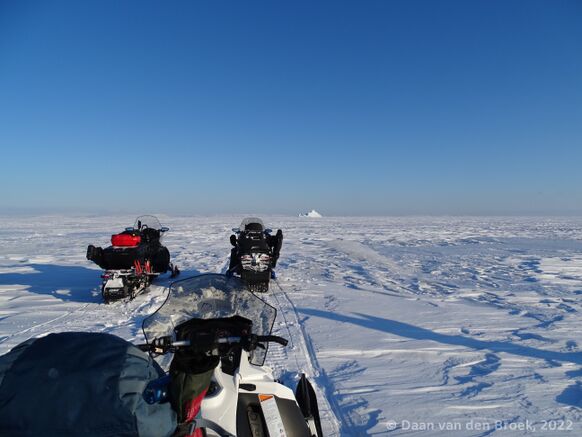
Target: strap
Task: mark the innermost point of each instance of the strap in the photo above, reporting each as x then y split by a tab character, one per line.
204	423
188	428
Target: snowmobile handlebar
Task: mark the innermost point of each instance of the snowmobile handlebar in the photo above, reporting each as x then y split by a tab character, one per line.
204	342
272	339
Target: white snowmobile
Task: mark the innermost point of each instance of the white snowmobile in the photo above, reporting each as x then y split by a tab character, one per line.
97	384
216	317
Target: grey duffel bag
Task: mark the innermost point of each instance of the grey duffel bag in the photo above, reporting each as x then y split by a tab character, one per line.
80	384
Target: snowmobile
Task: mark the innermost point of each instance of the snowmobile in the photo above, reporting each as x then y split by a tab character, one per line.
215	334
255	253
135	257
216	315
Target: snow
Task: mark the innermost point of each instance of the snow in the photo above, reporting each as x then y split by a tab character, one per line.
411	326
312	214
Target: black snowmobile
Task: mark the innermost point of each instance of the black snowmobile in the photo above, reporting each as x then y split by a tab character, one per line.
136	256
255	253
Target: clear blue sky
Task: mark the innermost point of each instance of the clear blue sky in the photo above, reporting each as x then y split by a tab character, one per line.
361	107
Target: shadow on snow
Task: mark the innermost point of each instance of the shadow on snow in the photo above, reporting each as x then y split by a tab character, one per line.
417	333
71	283
68	283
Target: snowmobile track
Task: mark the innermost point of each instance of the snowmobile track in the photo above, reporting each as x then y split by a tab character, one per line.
126	313
35	327
300	347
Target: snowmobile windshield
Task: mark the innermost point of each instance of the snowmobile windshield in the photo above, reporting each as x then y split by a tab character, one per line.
211	296
148	221
251	220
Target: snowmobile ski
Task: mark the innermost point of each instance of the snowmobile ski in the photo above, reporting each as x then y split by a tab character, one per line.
307	401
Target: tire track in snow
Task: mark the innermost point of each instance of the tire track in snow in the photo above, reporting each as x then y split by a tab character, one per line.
43	324
305	360
94	317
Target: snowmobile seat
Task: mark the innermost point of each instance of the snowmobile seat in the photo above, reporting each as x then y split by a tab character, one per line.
125	239
252	243
150	234
256	227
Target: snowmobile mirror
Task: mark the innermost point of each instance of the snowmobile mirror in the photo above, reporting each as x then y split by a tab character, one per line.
164	229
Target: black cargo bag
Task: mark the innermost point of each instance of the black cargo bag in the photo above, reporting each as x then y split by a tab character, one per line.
121	258
113	258
80	384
